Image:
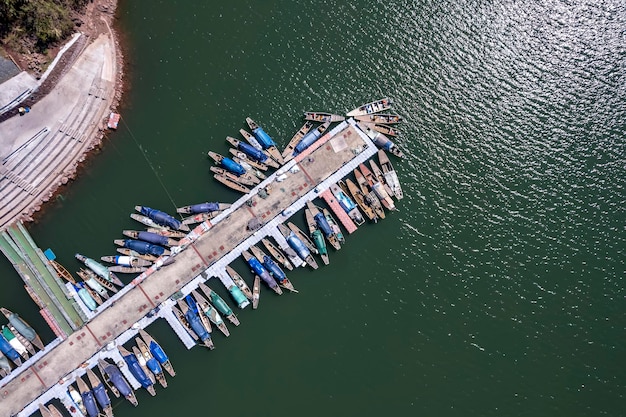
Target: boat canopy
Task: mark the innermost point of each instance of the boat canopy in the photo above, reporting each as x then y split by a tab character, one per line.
267	278
220	304
118	380
252	152
204	208
86	297
307	141
383	142
318	238
233	166
237	295
298	246
21	326
264	139
196	325
160	217
143	247
158	352
152	238
256	266
154	366
322	223
7	349
345	202
274	268
135	368
101	396
90	403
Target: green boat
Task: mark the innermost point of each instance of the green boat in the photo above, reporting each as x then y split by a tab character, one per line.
23	328
220	304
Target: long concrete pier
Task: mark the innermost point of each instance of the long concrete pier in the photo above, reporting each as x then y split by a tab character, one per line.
206	251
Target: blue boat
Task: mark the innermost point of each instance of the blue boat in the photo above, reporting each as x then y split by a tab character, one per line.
142	247
162	218
136	370
157	351
298	246
116	381
265	140
202	208
195	323
89	402
310	138
9	352
258	269
273	268
100	392
347	204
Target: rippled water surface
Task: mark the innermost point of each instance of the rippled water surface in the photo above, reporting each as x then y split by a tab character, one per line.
498	287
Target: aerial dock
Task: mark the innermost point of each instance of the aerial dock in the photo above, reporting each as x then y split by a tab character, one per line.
203	253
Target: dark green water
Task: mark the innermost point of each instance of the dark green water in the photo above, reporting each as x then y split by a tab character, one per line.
497	289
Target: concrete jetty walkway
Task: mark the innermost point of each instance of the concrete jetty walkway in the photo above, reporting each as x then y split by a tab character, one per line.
333	156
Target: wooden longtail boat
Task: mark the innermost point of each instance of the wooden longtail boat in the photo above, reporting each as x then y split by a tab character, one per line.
23	328
391	177
157	351
267	162
378	174
200	217
323	117
277	253
219	303
139	371
135	234
351	188
250	169
249	137
347	204
150	362
230	183
373	107
332	237
54	412
147	221
334	225
77	399
144	256
176	234
377	188
179	315
125	260
239	282
208	342
278	274
16	342
303	237
203	208
100	393
211	312
316	236
247	179
291	145
89	401
301	249
387	119
384	129
271	149
256	292
143	364
242	159
128	269
370	198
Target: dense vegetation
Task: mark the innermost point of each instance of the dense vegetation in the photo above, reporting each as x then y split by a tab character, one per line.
43	21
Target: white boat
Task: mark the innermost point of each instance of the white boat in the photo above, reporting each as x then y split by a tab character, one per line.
373	107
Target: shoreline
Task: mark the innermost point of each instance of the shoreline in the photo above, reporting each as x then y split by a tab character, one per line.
101	20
